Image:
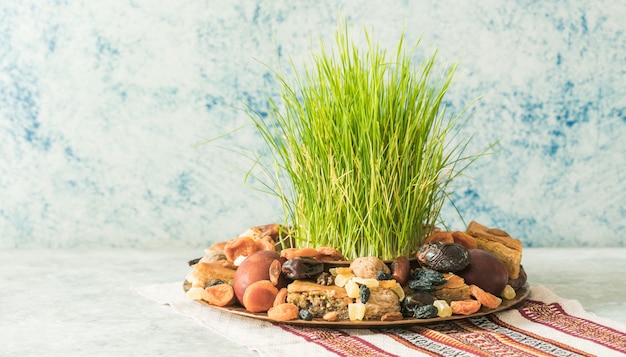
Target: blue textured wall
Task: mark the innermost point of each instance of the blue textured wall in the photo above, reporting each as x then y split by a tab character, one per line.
102	102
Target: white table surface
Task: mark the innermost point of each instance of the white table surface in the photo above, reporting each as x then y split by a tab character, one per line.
76	302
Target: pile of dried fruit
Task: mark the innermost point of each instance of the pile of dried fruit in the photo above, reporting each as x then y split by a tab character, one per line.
452	273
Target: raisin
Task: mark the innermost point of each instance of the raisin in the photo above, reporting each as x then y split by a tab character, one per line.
421	285
432	276
425	312
382	275
305	315
407	311
414	299
364	293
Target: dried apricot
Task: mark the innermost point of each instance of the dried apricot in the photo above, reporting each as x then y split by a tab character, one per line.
240	246
281	297
464	239
440	236
465	307
275	270
291	253
219	295
265	243
329	254
259	296
486	299
283	312
218	247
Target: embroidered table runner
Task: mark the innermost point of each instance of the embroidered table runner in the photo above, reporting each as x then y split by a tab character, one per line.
543	325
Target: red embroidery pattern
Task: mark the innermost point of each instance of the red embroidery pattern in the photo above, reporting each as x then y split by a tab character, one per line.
518	331
477	337
553	316
337	341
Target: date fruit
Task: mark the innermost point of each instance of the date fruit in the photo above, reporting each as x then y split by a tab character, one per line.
401	270
302	268
443	257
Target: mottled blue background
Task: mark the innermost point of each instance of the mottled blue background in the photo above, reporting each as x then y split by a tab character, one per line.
101	104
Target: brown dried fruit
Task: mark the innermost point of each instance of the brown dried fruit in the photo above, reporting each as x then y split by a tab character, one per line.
401	270
265	243
464	239
444	257
219	295
281	297
392	316
329	254
302	268
283	312
259	296
291	253
486	271
218	247
275	270
440	236
486	299
239	246
465	307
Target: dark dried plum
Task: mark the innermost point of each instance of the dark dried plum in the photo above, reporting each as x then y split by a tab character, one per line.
382	275
425	312
443	256
305	315
364	293
302	268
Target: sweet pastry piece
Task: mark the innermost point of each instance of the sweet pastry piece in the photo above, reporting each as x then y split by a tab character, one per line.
204	273
319	299
454	289
380	303
500	244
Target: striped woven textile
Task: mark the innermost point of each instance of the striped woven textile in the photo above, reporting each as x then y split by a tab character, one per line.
542	325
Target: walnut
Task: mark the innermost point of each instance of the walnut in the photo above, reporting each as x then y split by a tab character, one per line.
368	267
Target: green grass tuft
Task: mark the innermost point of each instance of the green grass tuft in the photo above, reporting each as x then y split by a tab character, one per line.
363	149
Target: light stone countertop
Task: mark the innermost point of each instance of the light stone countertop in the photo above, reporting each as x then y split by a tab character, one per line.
76	302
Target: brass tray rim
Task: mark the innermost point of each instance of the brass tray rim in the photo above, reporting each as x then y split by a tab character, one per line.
520	295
